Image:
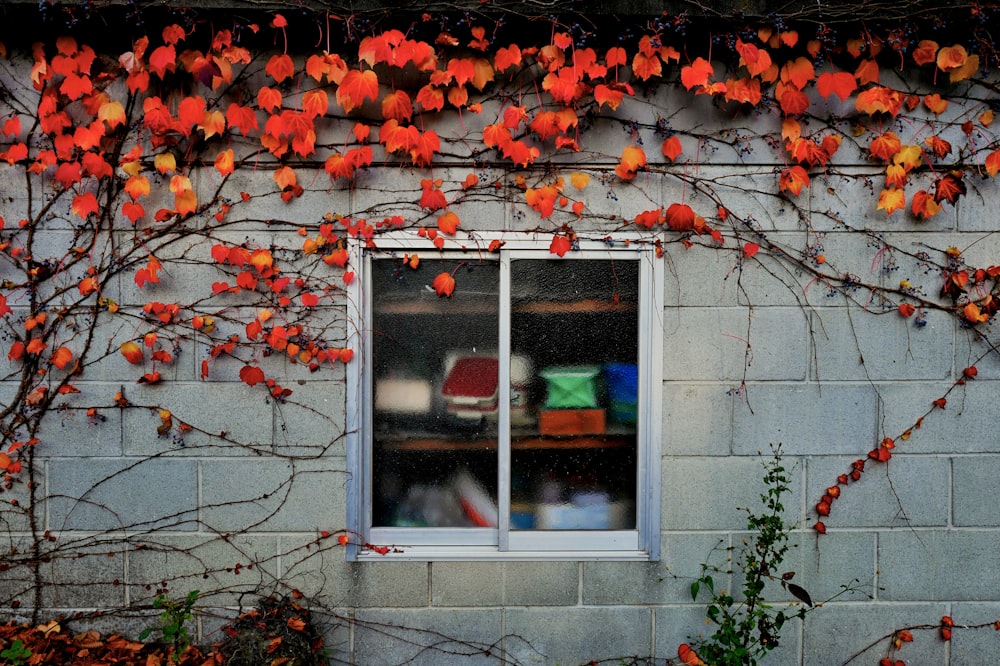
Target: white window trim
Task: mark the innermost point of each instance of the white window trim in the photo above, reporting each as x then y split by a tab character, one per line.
425	544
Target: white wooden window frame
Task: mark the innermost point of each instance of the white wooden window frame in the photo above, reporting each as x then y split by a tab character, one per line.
502	543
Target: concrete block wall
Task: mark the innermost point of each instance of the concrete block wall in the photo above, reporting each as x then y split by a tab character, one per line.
754	353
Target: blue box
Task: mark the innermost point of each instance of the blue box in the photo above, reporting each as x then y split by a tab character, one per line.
622	382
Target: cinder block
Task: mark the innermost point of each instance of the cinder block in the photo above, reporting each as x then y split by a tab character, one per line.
377	585
678	624
750	194
855	345
839	566
974	481
791	414
541	583
705	493
266	208
577	635
910	490
937	565
68	431
700	275
200	405
224	570
837	633
948	430
710	433
467	583
977	210
427	636
91	576
314	565
688	624
312	421
970	646
105	362
273	495
129	493
650	583
17	582
733	344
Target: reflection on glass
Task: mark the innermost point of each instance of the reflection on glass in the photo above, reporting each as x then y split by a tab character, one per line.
435	386
574	340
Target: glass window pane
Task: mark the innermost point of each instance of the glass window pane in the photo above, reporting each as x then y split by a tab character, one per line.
434	373
574	341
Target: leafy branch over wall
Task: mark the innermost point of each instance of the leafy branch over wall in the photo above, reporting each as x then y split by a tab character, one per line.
152	221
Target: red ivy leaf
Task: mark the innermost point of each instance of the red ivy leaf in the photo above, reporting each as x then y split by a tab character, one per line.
251	374
444	284
560	245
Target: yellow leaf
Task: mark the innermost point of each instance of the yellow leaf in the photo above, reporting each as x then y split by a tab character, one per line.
165	163
890	200
579	180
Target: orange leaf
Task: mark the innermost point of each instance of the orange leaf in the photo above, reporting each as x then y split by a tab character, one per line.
697	73
688	656
841	84
315	103
951	58
890	200
163	59
444	284
560	245
285	177
132	352
949	187
88	285
906	309
645	66
867	72
755	59
398	106
448	223
224	162
681	217
186	202
633	158
84	204
244	118
885	146
793	180
925	52
751	249
280	67
61	357
993	163
935	104
507	57
672	147
923	205
356	87
798	72
879	100
251	375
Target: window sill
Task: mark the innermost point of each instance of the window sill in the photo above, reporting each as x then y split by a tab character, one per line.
489	554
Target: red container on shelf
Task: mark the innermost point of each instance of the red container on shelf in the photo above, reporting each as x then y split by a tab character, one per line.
572	422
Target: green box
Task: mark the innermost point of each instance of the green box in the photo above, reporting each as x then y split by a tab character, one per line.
571	386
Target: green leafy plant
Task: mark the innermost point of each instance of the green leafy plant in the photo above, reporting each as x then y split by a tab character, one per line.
173	622
746	629
16	654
